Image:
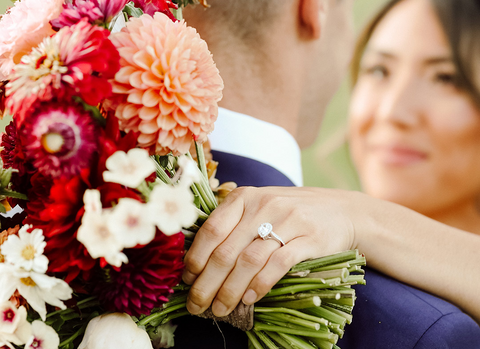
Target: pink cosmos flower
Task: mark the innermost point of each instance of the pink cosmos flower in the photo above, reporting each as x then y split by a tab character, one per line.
168	86
151	6
23	27
60	139
77	61
96	11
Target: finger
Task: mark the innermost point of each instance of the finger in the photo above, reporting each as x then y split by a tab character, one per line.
279	263
214	231
220	264
250	261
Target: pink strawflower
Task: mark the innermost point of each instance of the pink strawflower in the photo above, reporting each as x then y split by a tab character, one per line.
60	139
77	61
151	6
96	11
168	87
23	27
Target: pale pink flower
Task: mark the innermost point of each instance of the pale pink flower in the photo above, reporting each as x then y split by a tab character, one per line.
168	87
23	27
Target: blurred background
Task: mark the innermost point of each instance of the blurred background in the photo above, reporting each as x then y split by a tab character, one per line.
326	163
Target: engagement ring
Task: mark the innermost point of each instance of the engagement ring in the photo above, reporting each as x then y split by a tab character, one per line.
266	233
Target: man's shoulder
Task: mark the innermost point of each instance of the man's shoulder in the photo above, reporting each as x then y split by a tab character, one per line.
390	314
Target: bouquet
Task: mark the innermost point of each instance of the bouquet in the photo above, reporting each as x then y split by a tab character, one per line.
103	162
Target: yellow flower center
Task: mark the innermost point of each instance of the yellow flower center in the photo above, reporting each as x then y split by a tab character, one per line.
28	282
28	252
2	258
52	142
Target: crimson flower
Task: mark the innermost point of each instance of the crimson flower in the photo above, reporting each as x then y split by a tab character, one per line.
60	139
77	61
148	278
152	6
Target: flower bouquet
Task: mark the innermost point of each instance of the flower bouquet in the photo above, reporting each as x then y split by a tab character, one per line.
107	98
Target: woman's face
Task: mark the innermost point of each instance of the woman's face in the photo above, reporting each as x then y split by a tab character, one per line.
415	136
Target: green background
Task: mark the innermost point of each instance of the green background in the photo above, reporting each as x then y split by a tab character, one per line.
326	163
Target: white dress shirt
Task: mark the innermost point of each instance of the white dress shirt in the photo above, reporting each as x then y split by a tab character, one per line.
246	136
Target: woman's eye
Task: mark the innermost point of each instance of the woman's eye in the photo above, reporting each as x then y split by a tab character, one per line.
377	71
446	79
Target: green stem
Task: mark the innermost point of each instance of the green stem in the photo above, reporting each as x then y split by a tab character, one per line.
307	333
295	289
13	194
155	316
201	159
267	341
75	335
201	198
161	173
327	260
288	319
253	339
296	313
296	342
171	316
296	304
277	338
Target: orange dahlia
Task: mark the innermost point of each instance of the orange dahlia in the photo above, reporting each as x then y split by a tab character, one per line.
168	86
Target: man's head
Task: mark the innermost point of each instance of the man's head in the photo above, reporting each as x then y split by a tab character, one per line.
281	60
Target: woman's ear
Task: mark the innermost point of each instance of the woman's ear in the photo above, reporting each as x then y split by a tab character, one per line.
313	14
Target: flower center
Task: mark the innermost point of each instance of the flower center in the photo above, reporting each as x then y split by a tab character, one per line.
171	207
28	252
2	258
36	343
8	315
28	282
59	139
52	142
132	221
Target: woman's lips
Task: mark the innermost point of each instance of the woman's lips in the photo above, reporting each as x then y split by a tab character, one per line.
399	155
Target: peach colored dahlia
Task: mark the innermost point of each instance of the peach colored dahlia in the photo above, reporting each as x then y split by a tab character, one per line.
168	86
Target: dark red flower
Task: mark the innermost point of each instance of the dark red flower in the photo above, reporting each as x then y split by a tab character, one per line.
2	97
152	6
60	139
148	278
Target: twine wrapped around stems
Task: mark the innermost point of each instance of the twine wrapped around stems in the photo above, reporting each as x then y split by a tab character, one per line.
241	317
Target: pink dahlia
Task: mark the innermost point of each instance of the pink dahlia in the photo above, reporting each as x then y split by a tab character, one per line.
60	139
99	12
151	6
23	27
168	86
148	278
77	61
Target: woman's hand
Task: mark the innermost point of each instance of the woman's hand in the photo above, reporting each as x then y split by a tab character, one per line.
228	263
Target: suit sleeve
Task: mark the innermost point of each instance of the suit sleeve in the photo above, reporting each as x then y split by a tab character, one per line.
451	331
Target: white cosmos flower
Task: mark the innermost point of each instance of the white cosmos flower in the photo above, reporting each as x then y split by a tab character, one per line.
172	208
14	327
114	331
43	337
91	199
36	288
131	223
99	240
190	172
129	169
26	250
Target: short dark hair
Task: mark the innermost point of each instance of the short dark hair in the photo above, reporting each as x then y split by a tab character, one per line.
460	20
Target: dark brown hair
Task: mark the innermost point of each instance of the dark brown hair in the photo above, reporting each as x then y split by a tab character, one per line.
460	20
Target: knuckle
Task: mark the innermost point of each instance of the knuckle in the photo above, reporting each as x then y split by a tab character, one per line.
224	256
262	284
213	230
251	258
199	296
284	261
193	265
227	296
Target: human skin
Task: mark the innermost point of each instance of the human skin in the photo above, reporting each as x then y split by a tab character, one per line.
414	134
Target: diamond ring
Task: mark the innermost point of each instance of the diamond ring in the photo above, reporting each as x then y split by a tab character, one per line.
266	233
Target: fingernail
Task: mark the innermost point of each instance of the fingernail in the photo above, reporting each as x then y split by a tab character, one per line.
249	297
219	309
188	277
193	308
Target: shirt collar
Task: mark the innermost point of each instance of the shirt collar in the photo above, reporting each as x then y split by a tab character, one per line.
246	136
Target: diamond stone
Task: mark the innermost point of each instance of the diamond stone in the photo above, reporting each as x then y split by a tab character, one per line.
264	229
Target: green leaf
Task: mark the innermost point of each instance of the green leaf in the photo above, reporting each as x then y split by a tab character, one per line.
13	194
132	11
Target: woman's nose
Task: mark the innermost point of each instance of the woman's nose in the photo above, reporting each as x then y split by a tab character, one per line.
398	104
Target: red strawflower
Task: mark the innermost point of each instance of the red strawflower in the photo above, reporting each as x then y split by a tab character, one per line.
60	139
96	11
152	6
13	156
77	61
148	278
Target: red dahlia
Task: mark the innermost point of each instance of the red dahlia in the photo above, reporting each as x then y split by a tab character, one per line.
147	280
152	6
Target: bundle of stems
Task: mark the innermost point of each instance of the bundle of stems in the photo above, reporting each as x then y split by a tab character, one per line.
307	309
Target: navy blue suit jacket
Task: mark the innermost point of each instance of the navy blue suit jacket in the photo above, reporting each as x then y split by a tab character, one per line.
387	313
